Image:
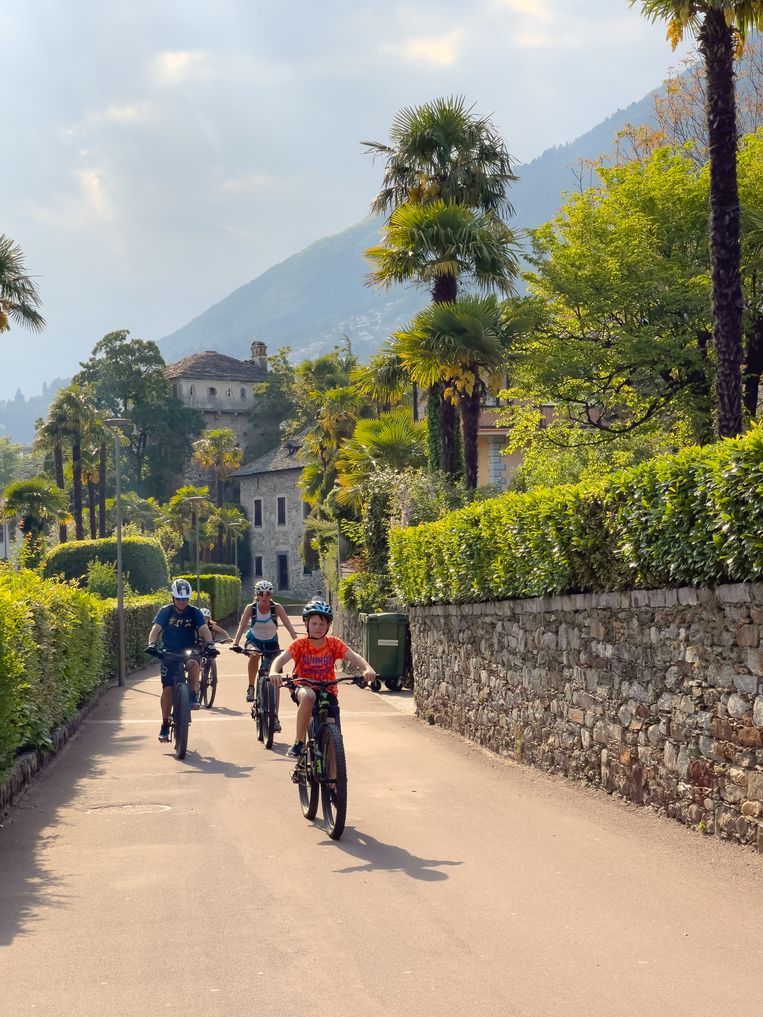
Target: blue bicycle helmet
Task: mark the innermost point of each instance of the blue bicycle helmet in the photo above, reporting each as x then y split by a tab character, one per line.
318	607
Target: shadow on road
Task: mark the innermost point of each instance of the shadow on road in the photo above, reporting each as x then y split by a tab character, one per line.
38	819
208	764
389	857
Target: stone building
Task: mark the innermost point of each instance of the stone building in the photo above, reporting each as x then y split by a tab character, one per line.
271	498
220	387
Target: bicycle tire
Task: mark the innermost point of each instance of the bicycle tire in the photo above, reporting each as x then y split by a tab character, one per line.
181	713
308	781
257	710
211	689
333	780
268	712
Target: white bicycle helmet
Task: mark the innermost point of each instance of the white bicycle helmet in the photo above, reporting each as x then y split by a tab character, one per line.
206	612
181	589
262	586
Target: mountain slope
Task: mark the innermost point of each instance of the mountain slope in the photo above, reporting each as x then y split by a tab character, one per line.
312	299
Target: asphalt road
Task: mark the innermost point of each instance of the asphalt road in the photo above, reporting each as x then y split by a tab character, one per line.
131	883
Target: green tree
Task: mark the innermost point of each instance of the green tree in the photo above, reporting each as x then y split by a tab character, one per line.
465	345
394	441
720	27
183	508
230	522
218	450
19	298
274	404
10	460
75	414
36	504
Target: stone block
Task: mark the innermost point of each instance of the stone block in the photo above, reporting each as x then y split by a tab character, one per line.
748	635
733	593
757	712
750	737
687	596
738	706
747	683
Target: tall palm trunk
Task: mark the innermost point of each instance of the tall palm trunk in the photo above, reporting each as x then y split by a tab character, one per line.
91	507
445	290
716	40
77	490
102	492
58	462
220	532
471	405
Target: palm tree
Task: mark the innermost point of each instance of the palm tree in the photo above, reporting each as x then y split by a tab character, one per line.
384	380
720	27
443	149
184	506
233	524
49	437
37	504
19	298
463	344
441	245
338	410
218	450
394	441
75	414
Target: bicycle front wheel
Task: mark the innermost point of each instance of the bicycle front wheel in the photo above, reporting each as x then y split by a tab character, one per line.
268	701
307	782
181	714
333	780
210	684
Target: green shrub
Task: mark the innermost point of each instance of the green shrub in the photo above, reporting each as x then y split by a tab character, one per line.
51	657
364	591
139	613
224	593
142	557
102	579
212	568
695	518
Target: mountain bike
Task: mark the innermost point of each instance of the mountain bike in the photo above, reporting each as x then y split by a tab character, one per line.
321	769
208	682
180	714
264	709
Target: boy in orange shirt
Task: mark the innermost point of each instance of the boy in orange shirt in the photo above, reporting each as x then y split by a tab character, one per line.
314	656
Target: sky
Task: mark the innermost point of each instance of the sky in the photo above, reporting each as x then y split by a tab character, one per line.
156	155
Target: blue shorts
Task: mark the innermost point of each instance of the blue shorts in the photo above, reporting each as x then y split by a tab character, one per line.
172	671
267	647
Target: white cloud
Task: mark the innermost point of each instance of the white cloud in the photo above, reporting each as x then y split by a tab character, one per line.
442	51
131	113
251	182
537	9
174	67
535	40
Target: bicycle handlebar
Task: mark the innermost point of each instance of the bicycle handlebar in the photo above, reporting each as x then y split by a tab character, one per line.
250	651
318	683
185	655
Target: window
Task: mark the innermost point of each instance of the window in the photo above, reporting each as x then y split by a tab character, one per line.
283	571
257	512
282	510
212	391
191	390
243	393
229	392
306	570
258	565
305	509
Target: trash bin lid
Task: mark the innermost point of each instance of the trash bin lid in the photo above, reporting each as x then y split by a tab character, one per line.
386	616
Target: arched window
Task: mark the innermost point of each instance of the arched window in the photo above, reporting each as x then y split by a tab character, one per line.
212	391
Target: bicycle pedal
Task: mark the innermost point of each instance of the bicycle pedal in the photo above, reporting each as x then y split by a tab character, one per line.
296	775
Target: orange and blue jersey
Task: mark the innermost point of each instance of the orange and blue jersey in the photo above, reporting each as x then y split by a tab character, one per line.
317	664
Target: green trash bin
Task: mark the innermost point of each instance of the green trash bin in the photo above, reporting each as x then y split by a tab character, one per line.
385	639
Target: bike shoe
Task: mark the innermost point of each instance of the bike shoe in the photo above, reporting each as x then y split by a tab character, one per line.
250	694
295	751
164	733
277	727
195	704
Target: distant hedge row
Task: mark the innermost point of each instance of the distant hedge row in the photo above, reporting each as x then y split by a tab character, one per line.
692	519
222	592
139	615
142	558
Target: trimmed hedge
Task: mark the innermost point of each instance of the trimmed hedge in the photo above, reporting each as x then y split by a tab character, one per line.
143	560
51	657
139	615
223	593
213	568
692	519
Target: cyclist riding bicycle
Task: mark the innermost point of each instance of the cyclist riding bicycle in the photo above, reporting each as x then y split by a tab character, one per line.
261	618
314	656
180	627
214	628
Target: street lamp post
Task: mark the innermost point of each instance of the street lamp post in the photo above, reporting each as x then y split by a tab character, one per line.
117	423
195	499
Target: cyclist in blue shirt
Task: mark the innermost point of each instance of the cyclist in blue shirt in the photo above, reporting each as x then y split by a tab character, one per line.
180	627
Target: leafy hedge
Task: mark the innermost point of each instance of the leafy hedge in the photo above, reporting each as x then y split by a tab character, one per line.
143	561
213	568
139	615
51	657
223	593
695	518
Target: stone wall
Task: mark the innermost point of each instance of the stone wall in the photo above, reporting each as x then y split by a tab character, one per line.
656	695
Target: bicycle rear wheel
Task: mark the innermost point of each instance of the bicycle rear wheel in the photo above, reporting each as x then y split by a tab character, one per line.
181	715
210	685
333	780
259	690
